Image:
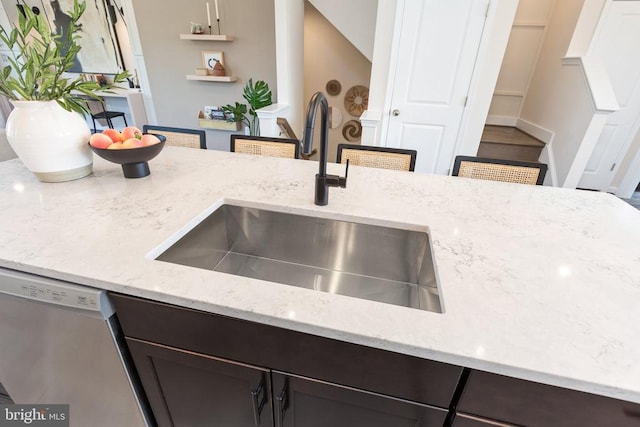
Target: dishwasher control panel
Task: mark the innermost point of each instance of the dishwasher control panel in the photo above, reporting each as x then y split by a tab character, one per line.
53	291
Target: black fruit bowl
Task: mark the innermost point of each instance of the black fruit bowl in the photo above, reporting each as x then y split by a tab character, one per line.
133	160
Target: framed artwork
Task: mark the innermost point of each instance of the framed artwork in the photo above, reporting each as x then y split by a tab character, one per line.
209	59
99	53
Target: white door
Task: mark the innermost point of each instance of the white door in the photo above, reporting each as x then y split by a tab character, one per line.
618	47
437	50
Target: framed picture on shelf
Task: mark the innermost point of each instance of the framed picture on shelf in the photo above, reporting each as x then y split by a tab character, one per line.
209	59
213	113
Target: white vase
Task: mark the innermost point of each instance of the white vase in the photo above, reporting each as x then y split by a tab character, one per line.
50	141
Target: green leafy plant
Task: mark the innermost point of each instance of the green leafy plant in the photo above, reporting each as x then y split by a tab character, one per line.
40	59
236	113
258	96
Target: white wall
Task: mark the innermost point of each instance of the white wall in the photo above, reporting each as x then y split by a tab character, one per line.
500	17
289	33
168	59
379	90
586	26
521	56
355	19
558	98
329	55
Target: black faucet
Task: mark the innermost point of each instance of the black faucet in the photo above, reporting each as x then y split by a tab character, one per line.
323	181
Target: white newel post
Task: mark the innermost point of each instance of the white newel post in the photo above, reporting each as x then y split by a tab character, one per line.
370	120
268	117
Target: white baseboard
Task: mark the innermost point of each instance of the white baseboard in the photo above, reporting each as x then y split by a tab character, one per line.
547	157
501	120
544	135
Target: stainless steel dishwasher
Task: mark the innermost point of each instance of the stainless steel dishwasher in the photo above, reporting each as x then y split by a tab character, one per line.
58	345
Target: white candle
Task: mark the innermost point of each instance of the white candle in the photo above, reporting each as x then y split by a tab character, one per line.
217	14
208	15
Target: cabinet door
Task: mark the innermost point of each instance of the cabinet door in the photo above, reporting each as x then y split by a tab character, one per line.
526	403
437	49
380	371
464	420
303	402
187	389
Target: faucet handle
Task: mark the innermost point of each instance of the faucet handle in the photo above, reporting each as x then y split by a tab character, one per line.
342	181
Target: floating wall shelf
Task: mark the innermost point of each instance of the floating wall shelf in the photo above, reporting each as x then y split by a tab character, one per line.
207	37
223	79
219	125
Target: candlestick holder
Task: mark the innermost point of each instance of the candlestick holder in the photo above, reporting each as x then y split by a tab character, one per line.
209	29
219	33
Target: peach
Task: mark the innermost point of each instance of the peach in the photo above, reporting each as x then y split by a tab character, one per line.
131	132
149	139
132	143
113	134
115	146
100	140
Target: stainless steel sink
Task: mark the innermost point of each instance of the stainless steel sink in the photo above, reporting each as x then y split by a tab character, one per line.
385	264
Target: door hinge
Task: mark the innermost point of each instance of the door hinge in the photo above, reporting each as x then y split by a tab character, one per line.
612	167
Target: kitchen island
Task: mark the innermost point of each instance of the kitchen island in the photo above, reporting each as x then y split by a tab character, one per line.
536	283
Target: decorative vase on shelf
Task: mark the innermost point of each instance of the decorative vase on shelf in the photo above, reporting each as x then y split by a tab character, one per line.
218	70
50	141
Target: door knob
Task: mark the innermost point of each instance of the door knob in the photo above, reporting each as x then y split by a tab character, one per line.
396	113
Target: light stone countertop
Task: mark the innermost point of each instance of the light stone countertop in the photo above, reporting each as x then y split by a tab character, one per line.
537	283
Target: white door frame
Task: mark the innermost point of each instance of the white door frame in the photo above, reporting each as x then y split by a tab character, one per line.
493	44
632	176
432	92
624	123
491	51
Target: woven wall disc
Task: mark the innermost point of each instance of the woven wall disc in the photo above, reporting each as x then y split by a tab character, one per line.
356	100
333	87
352	131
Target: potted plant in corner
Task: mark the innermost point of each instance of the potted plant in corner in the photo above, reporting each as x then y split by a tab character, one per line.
258	96
46	129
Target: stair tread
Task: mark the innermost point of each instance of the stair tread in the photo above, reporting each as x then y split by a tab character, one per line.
510	156
509	135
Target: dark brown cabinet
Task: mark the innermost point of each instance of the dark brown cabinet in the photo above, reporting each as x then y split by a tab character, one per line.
191	389
465	420
199	368
303	402
519	402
